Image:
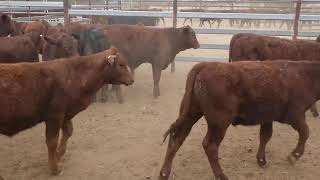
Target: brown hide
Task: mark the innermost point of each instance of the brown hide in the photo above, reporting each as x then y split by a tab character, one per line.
157	46
18	27
246	46
245	93
21	48
41	26
54	92
59	43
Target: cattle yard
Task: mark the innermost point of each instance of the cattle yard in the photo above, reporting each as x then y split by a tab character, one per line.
124	141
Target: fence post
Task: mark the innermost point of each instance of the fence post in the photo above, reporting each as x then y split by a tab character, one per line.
66	11
296	20
175	11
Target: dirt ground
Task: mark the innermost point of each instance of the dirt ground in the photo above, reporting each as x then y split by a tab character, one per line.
114	141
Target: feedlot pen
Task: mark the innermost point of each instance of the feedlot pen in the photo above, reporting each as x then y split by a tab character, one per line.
123	141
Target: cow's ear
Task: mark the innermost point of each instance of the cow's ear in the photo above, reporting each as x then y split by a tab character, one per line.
76	36
50	40
111	59
113	50
5	18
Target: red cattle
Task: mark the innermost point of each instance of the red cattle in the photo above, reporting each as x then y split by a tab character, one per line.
54	92
41	26
246	46
21	48
157	46
244	93
59	43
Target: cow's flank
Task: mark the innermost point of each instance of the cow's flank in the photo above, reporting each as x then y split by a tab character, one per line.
247	46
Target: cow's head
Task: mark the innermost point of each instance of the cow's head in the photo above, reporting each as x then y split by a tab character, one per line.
189	37
117	69
59	45
5	25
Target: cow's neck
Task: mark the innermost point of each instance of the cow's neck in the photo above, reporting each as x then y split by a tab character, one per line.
176	39
91	76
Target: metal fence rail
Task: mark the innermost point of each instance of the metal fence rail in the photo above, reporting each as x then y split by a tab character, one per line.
249	16
80	10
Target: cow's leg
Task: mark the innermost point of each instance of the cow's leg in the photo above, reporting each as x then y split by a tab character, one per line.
52	137
181	129
156	70
67	130
117	89
301	126
314	110
201	23
219	22
184	21
104	93
216	132
265	136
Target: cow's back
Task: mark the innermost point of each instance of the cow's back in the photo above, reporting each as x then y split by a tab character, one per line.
132	42
246	46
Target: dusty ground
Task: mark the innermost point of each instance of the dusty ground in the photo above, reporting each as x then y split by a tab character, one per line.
122	142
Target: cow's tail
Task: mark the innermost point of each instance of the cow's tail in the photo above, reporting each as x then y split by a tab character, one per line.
185	103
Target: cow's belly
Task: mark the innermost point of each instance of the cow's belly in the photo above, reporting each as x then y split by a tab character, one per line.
12	126
258	113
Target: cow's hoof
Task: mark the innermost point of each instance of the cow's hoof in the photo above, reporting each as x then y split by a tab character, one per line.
262	162
56	172
163	176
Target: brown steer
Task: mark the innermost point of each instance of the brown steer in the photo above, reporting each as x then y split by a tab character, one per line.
245	93
54	92
247	46
21	48
59	43
157	46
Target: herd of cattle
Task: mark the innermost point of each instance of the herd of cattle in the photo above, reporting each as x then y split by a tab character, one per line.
275	80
